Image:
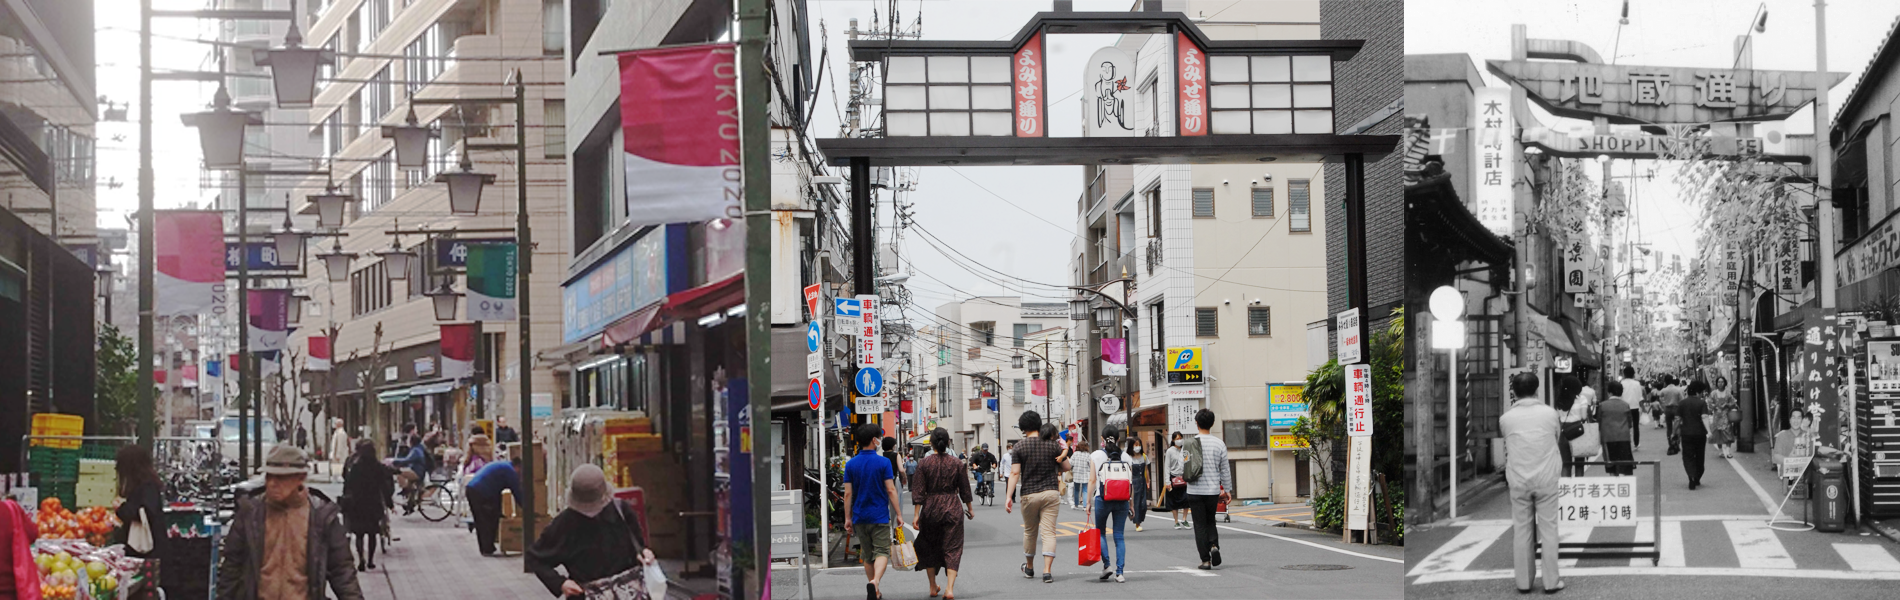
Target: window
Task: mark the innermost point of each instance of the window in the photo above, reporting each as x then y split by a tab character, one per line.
1298	205
369	288
376	21
1154	212
1203	203
1020	394
379	183
378	90
553	128
1263	202
1270	94
1245	434
1155	315
985	332
943	396
418	281
1206	322
1259	320
1021	331
943	354
973	354
947	95
553	28
1151	100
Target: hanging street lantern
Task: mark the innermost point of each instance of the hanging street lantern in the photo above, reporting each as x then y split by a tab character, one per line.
1079	309
396	260
337	262
289	240
412	142
330	205
465	186
1035	365
1105	316
105	275
221	131
293	69
445	298
1016	360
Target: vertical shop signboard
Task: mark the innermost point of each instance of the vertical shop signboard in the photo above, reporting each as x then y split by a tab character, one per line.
1492	170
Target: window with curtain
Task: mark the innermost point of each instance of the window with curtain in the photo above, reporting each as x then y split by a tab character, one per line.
553	128
1021	393
1298	205
553	28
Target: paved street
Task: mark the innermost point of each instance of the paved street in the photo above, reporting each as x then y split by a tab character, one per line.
1162	564
1714	538
431	560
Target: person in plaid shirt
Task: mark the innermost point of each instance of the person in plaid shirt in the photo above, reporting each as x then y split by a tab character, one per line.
1036	466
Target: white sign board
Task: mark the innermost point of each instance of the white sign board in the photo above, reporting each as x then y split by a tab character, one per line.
1359	400
814	364
1350	339
1181	416
1108	92
1596	501
1358	482
1188	390
869	405
870	338
1492	170
1883	366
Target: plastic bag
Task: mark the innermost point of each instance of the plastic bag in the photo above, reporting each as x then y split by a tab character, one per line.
903	554
656	580
1089	547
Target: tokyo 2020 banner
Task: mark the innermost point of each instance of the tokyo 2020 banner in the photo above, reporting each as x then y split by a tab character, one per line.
189	245
679	112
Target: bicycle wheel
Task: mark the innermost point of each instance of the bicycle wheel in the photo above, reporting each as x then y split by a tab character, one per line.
436	502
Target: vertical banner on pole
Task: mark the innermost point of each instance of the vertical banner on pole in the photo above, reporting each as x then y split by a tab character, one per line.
189	261
458	350
1191	88
679	113
1028	89
319	353
491	282
1114	357
270	319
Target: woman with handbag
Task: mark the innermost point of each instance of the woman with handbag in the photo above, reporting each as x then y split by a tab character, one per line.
1177	486
1726	414
598	542
1570	425
1590	444
369	490
142	514
941	485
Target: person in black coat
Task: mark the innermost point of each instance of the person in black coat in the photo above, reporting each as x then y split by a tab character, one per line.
595	537
143	493
368	493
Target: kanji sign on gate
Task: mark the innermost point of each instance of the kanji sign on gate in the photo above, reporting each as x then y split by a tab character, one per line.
1358	400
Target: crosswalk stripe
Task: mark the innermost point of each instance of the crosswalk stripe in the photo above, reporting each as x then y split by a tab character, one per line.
1672	550
1867	557
1457	554
1570	534
1645	532
1756	545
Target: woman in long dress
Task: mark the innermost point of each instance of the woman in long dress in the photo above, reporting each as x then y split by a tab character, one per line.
1721	432
940	486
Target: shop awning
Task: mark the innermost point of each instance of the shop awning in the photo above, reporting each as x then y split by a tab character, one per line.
1554	335
392	396
1586	344
629	328
705	299
1145	416
440	387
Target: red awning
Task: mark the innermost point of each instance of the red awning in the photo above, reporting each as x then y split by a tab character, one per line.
705	299
631	327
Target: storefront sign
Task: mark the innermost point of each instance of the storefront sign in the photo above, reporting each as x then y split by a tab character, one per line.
1349	337
1285	404
1648	94
1190	390
1184	365
1359	400
1870	255
1596	500
1576	265
631	278
425	366
1181	414
1494	165
263	258
1285	442
453	252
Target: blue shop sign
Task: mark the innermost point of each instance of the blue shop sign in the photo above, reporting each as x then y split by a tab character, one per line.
454	252
263	258
630	278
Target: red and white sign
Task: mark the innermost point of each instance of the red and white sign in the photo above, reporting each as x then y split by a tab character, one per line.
189	247
319	353
1039	387
1358	400
812	296
458	350
679	112
1191	79
1030	101
870	342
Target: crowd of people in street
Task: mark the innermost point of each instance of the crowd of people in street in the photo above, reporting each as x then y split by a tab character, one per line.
1109	484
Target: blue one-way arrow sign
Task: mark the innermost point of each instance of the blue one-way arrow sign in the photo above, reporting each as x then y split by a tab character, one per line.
848	307
870	382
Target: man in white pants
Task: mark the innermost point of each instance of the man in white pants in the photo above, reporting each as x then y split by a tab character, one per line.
1531	467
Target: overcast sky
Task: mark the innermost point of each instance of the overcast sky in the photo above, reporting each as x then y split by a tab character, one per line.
175	153
1662	33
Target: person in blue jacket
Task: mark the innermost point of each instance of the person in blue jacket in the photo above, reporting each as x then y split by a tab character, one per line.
484	500
415	466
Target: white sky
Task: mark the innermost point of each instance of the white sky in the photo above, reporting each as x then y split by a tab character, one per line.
1666	33
175	152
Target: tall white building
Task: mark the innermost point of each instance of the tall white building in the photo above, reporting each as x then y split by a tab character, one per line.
992	337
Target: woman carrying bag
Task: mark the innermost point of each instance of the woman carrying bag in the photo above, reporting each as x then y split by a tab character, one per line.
1177	486
597	541
142	514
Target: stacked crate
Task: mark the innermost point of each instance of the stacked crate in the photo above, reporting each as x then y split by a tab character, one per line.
55	472
98	483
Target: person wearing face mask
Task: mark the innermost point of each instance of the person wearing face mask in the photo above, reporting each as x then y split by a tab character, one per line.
1177	487
1138	500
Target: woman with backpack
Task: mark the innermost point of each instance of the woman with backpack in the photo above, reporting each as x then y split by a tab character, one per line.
1111	480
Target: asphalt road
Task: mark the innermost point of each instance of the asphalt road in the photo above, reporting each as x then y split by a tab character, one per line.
1161	561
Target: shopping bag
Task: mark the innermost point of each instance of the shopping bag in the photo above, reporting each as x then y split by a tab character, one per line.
903	553
1588	444
626	585
1089	547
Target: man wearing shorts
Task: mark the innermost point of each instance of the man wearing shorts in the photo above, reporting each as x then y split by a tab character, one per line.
870	493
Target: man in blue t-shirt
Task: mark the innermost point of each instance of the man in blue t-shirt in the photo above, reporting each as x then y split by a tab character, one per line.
870	493
484	500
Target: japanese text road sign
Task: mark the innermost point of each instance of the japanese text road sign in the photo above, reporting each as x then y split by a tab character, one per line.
812	296
870	338
1596	501
1349	337
1359	400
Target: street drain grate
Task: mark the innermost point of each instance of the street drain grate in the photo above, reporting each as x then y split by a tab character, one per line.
1315	567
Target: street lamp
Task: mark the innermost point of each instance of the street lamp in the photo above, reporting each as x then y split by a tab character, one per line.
1106	316
412	142
1448	334
465	186
289	239
221	131
297	298
293	68
1016	361
396	259
445	298
338	262
1035	365
330	206
1079	309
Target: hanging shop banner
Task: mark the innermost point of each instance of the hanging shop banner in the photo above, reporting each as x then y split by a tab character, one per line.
319	351
270	319
1039	388
1575	266
458	350
632	278
1491	145
491	282
1105	77
453	252
1286	403
1191	95
679	112
189	274
1114	357
1030	104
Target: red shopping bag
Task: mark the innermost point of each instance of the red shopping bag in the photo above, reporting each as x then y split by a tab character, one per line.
1089	549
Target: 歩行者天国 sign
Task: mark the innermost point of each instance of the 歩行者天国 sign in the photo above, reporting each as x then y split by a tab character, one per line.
1649	94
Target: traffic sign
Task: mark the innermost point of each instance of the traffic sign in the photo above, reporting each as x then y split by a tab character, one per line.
1359	400
815	392
812	296
814	364
814	336
1350	339
870	333
846	307
870	381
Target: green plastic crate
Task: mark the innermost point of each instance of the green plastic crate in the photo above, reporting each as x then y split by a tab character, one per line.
99	451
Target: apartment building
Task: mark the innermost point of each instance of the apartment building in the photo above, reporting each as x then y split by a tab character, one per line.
979	366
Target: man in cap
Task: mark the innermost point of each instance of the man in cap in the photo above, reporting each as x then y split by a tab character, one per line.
288	544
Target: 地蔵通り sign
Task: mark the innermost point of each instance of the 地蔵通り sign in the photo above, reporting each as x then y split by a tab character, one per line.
1638	94
1184	365
1596	500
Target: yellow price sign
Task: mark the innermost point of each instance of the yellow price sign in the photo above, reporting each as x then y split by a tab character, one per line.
1285	442
1187	358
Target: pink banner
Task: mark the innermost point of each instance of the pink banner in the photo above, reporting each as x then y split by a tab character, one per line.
1191	97
458	350
1028	89
319	353
1114	357
189	254
679	111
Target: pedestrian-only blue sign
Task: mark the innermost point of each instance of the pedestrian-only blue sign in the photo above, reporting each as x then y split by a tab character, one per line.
870	382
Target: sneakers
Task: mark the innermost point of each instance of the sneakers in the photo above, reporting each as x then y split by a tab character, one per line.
1048	578
1214	553
1205	567
1137	527
1028	572
1120	579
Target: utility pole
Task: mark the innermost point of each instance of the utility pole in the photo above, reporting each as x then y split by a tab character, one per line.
1824	199
755	158
147	251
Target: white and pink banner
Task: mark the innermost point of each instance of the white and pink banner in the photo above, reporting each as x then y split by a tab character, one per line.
270	320
458	350
189	245
319	353
679	112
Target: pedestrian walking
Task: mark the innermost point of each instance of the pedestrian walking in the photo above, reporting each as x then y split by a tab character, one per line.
1109	502
484	500
1037	466
339	446
596	540
1568	388
1693	430
897	466
503	433
870	493
288	544
368	496
941	495
144	496
1177	487
1617	426
1079	470
1531	467
1002	469
1671	397
1724	415
1633	396
481	451
303	437
1204	466
1139	502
